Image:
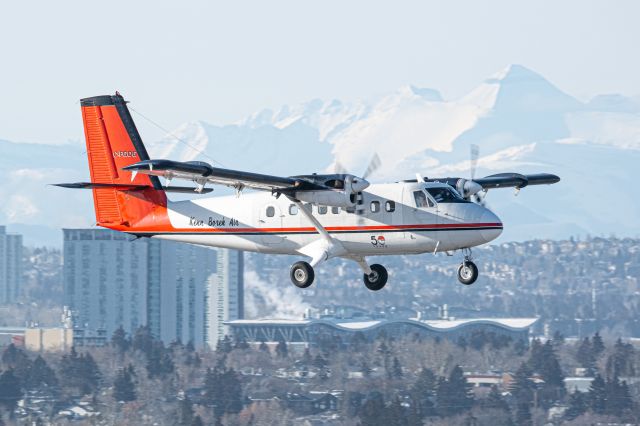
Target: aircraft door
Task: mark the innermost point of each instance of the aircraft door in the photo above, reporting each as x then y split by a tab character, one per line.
269	222
394	215
421	218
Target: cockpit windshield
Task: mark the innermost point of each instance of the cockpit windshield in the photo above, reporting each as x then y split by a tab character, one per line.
445	195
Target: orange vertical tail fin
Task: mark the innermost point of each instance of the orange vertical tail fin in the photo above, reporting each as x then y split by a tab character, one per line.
113	142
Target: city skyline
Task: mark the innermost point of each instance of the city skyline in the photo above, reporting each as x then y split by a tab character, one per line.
111	281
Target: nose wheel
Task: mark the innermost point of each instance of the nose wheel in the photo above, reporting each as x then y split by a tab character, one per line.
377	279
302	274
467	272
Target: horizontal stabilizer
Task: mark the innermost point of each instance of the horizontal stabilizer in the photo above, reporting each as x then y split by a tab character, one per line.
125	187
95	185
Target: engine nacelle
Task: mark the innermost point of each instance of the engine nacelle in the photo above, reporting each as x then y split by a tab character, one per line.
328	198
467	188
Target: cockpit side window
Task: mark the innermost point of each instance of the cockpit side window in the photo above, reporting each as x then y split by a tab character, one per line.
420	198
444	195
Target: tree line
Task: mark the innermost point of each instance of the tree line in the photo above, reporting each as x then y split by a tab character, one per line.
392	380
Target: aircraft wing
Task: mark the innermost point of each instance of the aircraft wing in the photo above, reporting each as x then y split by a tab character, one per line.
468	188
511	180
202	173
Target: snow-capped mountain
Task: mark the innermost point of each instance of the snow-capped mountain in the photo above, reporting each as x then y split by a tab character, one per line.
521	122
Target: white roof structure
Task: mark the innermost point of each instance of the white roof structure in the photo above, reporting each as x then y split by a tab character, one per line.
516	324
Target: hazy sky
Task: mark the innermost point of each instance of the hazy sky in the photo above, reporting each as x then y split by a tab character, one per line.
219	61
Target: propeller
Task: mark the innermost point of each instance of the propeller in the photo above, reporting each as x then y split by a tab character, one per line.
473	159
358	184
374	165
478	195
339	169
468	188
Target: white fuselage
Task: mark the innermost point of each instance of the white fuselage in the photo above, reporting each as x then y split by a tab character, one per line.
386	221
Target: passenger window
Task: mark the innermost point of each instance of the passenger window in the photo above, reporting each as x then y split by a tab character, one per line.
322	209
271	212
375	206
421	199
430	202
390	206
335	210
293	210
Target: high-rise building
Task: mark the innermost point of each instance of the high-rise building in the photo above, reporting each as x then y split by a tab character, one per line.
178	276
105	281
10	266
225	295
111	281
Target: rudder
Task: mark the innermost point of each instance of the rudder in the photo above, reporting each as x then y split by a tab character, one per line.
113	142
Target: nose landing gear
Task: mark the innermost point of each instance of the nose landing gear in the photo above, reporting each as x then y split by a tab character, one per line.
467	271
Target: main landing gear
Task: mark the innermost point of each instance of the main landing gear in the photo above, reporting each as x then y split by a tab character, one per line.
302	274
375	276
467	271
377	279
325	248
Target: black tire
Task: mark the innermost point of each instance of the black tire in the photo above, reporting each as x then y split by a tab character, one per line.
302	274
467	273
377	280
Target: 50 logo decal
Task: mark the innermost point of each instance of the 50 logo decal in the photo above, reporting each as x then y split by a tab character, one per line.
378	241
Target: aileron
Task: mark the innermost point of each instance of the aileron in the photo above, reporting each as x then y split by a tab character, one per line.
201	173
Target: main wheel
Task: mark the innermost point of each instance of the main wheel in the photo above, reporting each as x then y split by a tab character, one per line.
467	273
302	274
377	278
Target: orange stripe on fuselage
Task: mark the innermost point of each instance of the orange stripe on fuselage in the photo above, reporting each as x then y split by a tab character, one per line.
157	228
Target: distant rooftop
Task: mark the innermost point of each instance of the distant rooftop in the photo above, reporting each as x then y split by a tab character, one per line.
510	323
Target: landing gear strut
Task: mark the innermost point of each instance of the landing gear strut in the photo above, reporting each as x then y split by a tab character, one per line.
302	274
377	279
467	271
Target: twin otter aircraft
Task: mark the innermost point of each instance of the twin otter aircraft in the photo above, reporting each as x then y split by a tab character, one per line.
316	216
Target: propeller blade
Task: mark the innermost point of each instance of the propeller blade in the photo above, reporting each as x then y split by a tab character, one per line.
475	153
374	164
340	169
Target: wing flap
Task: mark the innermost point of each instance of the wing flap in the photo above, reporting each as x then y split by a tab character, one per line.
201	173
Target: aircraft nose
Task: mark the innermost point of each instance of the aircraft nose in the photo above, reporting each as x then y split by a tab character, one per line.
492	226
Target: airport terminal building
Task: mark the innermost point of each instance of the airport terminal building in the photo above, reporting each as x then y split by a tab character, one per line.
314	331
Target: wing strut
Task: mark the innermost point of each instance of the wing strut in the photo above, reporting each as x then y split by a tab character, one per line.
326	247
